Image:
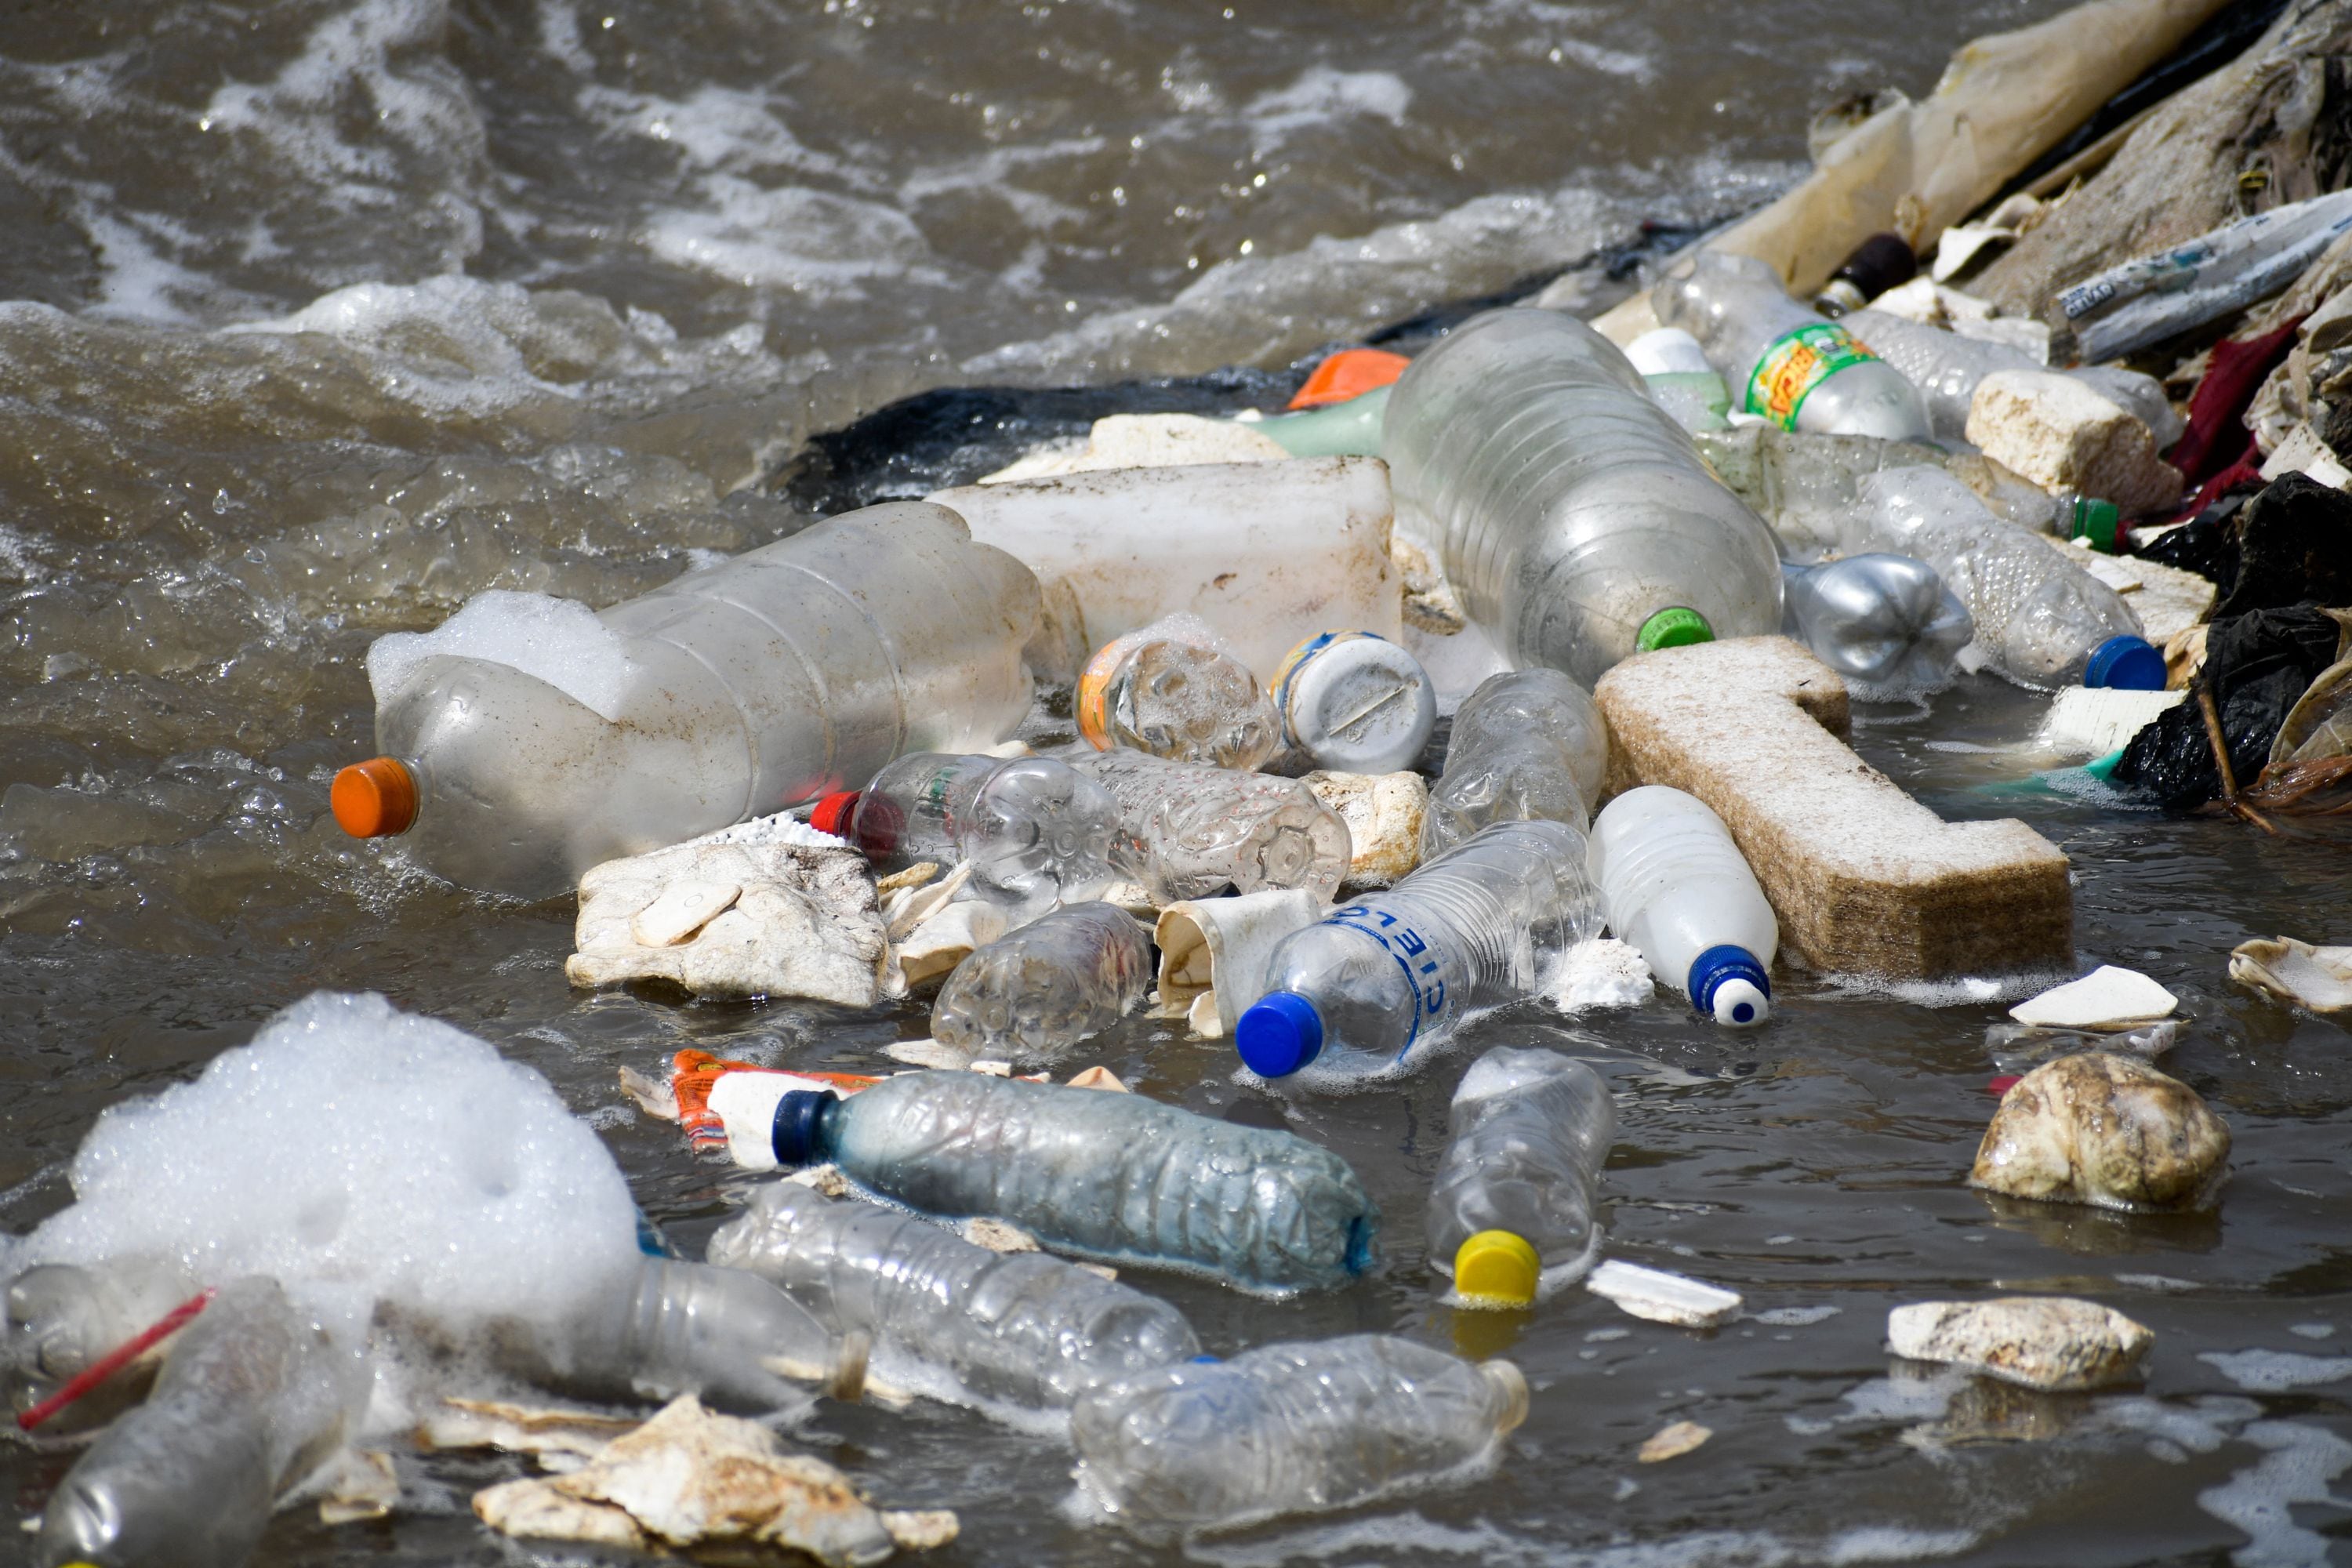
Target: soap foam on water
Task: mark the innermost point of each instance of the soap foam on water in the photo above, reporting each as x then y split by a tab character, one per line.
559	641
2276	1371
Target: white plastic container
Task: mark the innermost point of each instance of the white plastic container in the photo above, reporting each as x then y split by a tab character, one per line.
1675	885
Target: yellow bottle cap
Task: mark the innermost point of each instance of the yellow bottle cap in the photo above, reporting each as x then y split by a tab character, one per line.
1497	1269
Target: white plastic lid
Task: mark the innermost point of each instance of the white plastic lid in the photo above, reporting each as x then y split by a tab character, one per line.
1667	350
1732	995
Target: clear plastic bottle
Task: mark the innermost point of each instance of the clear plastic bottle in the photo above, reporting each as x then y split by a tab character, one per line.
1680	380
1176	689
1113	1176
1035	832
64	1318
1287	1427
1511	1207
1783	361
254	1395
1355	702
1022	1329
1381	979
1030	996
1945	367
735	691
2041	620
1885	621
1573	515
1529	745
1199	830
1675	886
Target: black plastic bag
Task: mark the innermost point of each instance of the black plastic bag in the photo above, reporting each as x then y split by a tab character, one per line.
2294	547
2256	667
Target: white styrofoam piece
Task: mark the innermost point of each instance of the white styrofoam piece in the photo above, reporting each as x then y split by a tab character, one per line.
2107	998
1661	1297
2091	721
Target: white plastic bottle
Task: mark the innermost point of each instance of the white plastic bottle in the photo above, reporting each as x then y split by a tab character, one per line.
1945	367
1379	981
1526	745
1030	997
1680	380
529	739
1676	887
1034	831
1285	1428
1511	1207
1782	361
1175	689
1887	622
1355	702
1572	514
1199	830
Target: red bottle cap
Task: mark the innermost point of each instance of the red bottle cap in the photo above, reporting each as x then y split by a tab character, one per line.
832	814
374	798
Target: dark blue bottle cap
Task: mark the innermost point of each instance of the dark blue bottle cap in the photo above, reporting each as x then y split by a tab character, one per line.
1718	967
2124	664
1205	1361
1280	1035
799	1116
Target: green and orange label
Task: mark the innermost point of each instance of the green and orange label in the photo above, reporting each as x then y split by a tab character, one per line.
1797	362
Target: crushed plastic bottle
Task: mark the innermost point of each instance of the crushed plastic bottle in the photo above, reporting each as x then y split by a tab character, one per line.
1886	622
1111	1176
1032	995
1784	363
1199	830
1355	702
1288	1427
1677	889
1529	745
2041	620
1945	367
1011	1332
1377	981
733	693
1573	516
1176	689
1511	1207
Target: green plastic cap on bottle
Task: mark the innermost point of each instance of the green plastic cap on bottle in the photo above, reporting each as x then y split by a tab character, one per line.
2098	522
1673	627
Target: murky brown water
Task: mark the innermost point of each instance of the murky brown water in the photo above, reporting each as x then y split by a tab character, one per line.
333	312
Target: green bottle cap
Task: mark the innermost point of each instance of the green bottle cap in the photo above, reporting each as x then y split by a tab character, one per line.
1673	627
2096	521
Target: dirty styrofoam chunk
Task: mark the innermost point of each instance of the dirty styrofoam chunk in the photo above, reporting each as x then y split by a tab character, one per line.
1602	972
1671	1442
1663	1298
1146	441
947	936
2042	1341
2107	998
2318	979
2305	451
1383	813
2062	436
2092	720
682	909
1219	949
2104	1129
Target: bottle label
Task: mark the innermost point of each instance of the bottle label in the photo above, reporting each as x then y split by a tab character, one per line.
1423	961
1795	364
1094	693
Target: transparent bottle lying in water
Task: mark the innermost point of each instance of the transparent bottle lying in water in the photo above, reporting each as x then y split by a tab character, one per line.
1945	367
1511	1209
1021	1329
64	1318
1111	1176
1035	832
1885	621
1526	745
1176	689
1677	889
1030	996
1380	982
1198	831
1286	1428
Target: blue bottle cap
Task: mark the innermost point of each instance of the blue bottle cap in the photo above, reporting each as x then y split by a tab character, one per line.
1732	977
2125	664
1280	1035
797	1126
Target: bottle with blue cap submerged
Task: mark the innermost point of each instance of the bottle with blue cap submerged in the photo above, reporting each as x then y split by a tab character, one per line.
1199	830
1529	745
1019	1331
1355	702
1030	996
1110	1176
1511	1209
1677	889
1176	689
1377	983
1886	622
1572	514
2041	620
1285	1428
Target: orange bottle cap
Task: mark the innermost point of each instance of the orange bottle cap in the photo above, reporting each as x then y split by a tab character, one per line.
1350	372
374	798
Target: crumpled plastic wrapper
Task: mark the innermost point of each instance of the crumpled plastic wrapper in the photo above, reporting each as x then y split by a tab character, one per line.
2317	979
1213	953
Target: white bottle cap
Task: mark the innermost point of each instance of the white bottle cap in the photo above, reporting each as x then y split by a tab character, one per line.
1740	1003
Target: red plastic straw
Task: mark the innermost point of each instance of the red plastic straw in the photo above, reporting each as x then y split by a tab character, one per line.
115	1360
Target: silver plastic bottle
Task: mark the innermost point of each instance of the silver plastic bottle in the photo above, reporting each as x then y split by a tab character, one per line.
1886	622
1572	514
1176	689
1945	367
1198	831
1511	1209
1677	889
1030	996
786	673
1035	832
1526	745
1288	1429
1021	1331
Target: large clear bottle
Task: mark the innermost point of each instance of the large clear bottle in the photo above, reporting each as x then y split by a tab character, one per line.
1030	997
1573	515
1035	832
1017	1332
1381	982
788	672
1783	361
1113	1176
2041	619
63	1317
1199	830
1176	689
1886	622
1526	745
1945	367
1511	1209
1676	886
1288	1429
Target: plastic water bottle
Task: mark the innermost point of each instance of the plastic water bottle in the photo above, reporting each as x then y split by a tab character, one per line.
254	1395
1175	689
1199	830
63	1317
2041	620
1945	367
1511	1209
1287	1427
1030	996
1677	889
1355	702
1784	363
1023	1330
1680	380
1573	515
1885	621
1377	981
1035	832
1113	1176
536	740
1529	745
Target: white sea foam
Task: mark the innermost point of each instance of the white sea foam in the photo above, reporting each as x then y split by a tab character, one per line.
559	641
2276	1371
813	242
2299	1466
1324	96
